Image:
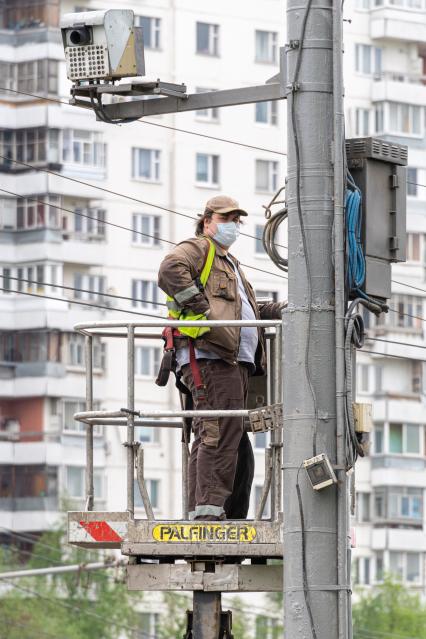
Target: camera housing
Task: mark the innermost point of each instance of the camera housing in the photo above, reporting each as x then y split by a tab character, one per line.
102	45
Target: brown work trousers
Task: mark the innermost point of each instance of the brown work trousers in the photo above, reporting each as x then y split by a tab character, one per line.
221	464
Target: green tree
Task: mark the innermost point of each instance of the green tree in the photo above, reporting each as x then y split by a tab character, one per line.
84	605
173	621
390	611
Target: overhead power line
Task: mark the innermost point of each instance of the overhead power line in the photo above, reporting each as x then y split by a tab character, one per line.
81	290
64	604
67	301
162	126
55	570
163	208
37	542
109	308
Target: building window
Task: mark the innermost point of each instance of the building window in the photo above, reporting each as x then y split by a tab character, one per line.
207	115
404	439
379	118
31	214
207	170
146	229
76	351
405	566
36	146
83	148
412	182
266	113
405	119
259	249
28	15
144	294
270	296
146	164
151	29
379	567
266	175
207	38
147	434
69	409
368	59
147	361
33	346
417	376
153	489
409	312
75	482
413	247
149	625
35	76
378	439
405	503
362	122
266	46
89	287
362	5
89	224
363	507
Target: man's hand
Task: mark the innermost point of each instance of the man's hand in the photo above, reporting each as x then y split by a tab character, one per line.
271	310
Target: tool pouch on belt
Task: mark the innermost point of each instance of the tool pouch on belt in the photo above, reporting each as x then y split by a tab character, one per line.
165	368
168	363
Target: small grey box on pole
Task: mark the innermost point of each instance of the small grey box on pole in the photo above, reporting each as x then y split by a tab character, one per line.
312	562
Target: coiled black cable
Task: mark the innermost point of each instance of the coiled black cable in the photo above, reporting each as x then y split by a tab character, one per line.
270	232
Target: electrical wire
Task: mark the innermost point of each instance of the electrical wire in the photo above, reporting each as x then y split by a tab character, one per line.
52	285
416	288
67	301
389	355
294	88
354	338
254	237
270	230
37	542
17	624
88	217
304	568
81	290
89	613
162	126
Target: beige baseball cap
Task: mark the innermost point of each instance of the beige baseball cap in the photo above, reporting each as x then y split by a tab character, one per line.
224	204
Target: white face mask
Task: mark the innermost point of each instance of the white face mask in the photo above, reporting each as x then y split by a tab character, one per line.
227	233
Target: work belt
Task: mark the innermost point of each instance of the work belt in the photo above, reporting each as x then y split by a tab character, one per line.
168	363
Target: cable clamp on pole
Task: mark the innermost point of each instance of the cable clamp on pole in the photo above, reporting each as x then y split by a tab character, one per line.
293	44
128	411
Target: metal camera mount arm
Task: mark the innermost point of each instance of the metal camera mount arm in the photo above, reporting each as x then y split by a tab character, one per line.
172	98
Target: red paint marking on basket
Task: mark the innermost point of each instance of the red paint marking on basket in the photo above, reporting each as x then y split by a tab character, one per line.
100	531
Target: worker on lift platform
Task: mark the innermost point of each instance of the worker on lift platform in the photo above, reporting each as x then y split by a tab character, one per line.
204	281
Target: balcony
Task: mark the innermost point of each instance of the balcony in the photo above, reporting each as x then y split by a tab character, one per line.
398	539
399	87
402	23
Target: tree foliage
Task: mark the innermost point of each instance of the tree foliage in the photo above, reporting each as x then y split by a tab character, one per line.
390	611
84	605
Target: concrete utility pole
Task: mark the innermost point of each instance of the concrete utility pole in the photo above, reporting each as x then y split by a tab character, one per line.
316	598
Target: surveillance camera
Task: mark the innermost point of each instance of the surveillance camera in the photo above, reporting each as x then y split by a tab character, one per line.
102	45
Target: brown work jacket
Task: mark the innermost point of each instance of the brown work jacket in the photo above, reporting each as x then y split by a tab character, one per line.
220	298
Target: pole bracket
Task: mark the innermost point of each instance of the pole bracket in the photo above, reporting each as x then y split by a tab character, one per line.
266	418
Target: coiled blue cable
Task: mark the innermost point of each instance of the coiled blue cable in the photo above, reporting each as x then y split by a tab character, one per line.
355	260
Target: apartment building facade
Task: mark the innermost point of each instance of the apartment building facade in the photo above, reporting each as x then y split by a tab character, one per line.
55	231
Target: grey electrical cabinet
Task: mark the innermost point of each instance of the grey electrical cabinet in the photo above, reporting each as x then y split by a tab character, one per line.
378	169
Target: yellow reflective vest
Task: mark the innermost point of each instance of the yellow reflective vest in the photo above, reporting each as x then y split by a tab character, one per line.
176	312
